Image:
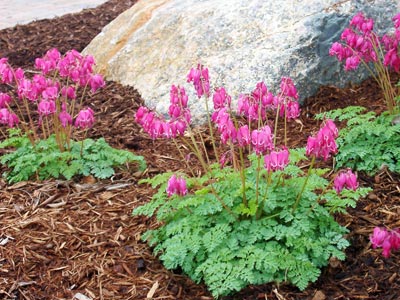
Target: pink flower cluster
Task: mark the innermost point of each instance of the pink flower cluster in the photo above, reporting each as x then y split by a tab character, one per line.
176	186
85	118
255	105
201	82
345	179
8	118
156	126
72	65
391	43
361	43
251	106
276	160
261	139
49	94
324	143
388	240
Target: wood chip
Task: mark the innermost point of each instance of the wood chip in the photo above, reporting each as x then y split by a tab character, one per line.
152	291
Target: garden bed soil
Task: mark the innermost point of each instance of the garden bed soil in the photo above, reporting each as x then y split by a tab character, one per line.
60	238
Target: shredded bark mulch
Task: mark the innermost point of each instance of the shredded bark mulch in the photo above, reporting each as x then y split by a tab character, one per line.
64	239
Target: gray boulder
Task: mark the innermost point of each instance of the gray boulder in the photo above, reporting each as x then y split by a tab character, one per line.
155	43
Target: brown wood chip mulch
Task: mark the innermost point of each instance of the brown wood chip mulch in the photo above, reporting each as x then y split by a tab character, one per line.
64	239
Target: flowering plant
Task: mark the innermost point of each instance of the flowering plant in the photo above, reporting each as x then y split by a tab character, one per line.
44	108
362	45
246	221
47	103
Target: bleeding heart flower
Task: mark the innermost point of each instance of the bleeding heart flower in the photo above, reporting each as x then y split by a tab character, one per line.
85	118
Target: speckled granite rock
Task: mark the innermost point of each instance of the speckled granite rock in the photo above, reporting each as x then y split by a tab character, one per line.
156	42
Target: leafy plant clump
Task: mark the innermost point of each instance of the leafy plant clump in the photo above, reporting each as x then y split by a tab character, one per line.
46	106
258	216
229	251
368	142
45	160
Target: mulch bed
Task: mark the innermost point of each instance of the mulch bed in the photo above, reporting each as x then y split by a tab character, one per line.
60	238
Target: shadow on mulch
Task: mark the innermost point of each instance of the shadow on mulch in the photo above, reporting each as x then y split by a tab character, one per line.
59	238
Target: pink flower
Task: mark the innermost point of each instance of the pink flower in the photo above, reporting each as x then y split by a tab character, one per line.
87	63
276	160
347	180
176	186
8	118
178	128
261	139
226	157
5	99
147	120
361	23
68	92
96	81
252	113
46	107
323	144
262	97
260	91
48	62
396	20
40	83
220	116
156	129
288	89
386	248
395	239
174	111
332	127
19	74
200	79
392	59
378	237
64	117
50	93
243	136
243	105
341	52
292	110
388	240
178	96
85	118
352	63
221	98
26	89
6	74
228	131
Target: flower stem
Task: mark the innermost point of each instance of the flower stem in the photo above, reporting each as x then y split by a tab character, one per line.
211	130
304	185
243	178
261	206
258	178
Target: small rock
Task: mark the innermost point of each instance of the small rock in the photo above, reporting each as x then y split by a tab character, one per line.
396	120
319	296
79	296
372	196
140	264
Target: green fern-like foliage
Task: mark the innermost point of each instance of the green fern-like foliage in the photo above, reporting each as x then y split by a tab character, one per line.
231	249
44	160
368	142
